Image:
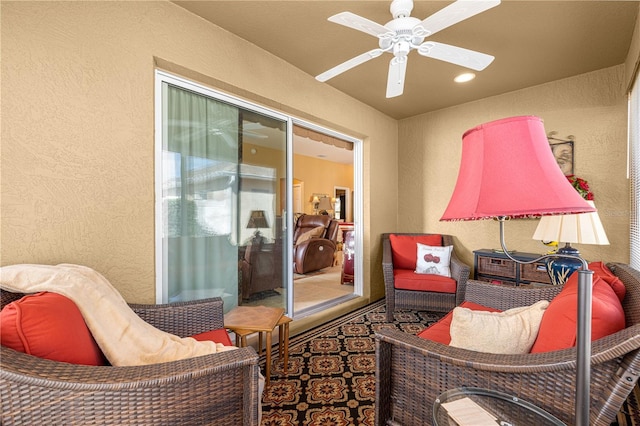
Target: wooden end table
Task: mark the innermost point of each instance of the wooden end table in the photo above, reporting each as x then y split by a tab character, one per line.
254	319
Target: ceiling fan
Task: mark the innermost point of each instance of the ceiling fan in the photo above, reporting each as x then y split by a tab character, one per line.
404	33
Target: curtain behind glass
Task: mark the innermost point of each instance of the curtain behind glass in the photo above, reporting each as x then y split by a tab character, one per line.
200	164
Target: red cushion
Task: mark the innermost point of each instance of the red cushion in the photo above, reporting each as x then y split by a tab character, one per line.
600	269
405	249
558	326
49	325
405	279
440	331
218	335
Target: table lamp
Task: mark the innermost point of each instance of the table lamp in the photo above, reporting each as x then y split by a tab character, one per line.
315	201
257	220
507	170
325	204
584	228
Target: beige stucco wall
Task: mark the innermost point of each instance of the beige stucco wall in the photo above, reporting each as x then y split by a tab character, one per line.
77	181
592	107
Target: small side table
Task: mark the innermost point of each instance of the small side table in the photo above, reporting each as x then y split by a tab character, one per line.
254	319
506	410
283	339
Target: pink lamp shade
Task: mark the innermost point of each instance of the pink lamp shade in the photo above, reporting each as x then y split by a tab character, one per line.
507	169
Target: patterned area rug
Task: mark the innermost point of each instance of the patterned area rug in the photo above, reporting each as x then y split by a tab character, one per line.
331	376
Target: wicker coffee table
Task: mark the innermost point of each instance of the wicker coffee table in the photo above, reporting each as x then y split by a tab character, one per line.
255	319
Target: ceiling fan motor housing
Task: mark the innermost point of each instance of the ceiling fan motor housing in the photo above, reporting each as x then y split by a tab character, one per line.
403	29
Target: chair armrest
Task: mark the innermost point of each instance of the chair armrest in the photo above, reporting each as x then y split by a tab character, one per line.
460	273
207	389
184	318
387	265
505	297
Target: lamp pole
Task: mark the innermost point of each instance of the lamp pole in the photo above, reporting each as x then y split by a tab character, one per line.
583	341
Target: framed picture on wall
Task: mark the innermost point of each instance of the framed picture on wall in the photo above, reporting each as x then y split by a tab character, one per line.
563	153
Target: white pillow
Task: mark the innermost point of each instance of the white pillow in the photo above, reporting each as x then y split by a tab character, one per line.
434	260
510	332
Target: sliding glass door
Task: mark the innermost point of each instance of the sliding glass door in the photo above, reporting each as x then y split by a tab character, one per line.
218	190
226	170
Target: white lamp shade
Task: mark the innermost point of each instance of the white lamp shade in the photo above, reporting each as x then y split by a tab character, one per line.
324	204
583	228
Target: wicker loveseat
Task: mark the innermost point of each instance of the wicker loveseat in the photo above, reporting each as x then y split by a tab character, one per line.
217	389
411	372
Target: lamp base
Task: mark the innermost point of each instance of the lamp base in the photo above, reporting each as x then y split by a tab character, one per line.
561	268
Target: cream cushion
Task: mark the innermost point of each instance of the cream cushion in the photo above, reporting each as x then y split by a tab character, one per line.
510	332
314	233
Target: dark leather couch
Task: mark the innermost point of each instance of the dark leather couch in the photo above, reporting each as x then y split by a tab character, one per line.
317	252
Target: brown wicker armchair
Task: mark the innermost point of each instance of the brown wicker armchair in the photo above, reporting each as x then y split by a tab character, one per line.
422	300
411	372
220	389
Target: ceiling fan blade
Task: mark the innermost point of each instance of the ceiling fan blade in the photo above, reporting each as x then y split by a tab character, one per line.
353	62
455	55
395	80
452	14
359	23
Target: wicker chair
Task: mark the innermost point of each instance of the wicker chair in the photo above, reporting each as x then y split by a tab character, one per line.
220	389
422	300
411	372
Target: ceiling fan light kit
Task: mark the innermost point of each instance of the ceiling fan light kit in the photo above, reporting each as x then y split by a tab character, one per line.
404	33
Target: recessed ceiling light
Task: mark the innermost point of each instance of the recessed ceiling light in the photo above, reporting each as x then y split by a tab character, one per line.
463	78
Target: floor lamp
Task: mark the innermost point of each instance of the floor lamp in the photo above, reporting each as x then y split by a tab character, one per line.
507	171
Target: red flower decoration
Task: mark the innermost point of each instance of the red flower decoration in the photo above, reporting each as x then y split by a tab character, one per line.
581	186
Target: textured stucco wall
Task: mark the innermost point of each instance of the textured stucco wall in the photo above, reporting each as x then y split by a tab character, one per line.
592	107
78	130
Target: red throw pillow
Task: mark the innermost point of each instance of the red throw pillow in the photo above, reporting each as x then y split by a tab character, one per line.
218	335
558	327
405	248
50	326
600	269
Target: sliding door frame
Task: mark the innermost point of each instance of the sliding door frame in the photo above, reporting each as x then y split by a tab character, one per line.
166	77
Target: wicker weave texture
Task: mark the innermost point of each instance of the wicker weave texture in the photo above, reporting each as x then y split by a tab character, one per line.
411	372
422	300
216	389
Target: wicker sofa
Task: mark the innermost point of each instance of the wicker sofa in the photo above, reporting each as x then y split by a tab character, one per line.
411	372
220	389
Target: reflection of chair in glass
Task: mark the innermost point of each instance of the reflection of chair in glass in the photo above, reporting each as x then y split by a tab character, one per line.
261	267
315	238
